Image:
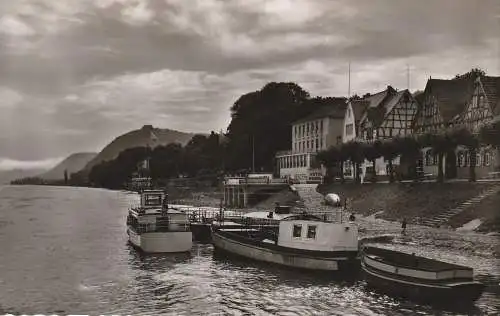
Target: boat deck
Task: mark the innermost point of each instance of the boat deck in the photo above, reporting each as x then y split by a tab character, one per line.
404	260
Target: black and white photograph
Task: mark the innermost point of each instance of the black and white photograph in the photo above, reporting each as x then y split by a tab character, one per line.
249	157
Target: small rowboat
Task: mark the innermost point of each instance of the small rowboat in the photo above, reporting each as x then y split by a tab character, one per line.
413	277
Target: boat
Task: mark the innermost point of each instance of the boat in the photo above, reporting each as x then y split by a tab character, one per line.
418	278
154	228
302	241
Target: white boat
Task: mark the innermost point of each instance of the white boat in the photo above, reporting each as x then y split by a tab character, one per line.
153	227
299	241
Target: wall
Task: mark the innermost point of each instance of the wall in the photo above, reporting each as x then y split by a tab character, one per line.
334	131
348	119
329	236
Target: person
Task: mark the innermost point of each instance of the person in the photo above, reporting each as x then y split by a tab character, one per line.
403	226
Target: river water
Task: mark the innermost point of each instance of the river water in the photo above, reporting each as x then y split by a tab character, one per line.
64	251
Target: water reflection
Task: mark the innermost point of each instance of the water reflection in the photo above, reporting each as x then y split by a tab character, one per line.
80	263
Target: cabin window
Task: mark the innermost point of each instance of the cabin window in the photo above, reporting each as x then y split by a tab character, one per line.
297	231
151	200
311	231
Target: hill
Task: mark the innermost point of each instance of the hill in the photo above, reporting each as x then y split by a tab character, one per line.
73	163
147	135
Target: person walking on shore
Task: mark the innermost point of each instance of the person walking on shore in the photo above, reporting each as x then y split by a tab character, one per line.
403	226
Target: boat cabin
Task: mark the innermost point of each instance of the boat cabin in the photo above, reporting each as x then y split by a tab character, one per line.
153	215
311	233
153	198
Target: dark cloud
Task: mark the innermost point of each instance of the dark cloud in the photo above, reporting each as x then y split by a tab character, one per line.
73	75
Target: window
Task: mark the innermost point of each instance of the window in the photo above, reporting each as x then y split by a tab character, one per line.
311	231
348	112
349	129
428	158
478	160
153	199
460	159
297	231
466	159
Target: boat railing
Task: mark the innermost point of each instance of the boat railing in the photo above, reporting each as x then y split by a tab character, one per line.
171	226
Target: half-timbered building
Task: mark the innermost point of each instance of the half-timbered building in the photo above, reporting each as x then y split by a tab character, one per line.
470	101
383	115
482	108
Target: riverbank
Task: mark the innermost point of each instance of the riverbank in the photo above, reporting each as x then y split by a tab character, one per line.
419	201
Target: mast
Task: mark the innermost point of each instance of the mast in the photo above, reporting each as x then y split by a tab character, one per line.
408	77
253	154
349	86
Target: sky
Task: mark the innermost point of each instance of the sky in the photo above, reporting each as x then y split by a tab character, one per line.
75	74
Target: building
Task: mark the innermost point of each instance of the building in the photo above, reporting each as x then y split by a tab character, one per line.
383	115
311	134
470	101
482	108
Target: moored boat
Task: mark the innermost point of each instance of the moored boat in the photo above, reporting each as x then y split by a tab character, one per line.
298	241
154	228
419	278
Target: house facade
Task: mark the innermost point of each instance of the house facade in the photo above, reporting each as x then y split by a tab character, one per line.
317	131
470	101
482	108
383	115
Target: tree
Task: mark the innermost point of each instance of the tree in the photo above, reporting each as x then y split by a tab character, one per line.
474	72
389	151
257	115
372	151
329	158
441	144
463	136
166	161
409	147
490	134
354	150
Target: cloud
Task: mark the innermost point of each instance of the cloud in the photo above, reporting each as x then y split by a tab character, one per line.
10	164
77	73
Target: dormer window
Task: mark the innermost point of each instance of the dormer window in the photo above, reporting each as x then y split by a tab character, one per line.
297	231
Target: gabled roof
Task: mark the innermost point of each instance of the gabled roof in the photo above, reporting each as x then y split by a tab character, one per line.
451	95
334	108
358	108
491	87
378	104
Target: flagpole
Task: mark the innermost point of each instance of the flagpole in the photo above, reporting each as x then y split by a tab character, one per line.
253	153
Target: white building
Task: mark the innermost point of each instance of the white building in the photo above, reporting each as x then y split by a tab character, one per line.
318	131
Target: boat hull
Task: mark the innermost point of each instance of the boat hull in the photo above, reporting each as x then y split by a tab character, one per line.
158	242
343	261
466	292
202	232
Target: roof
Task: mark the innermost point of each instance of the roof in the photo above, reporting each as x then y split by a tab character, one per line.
380	104
334	108
358	108
491	86
451	95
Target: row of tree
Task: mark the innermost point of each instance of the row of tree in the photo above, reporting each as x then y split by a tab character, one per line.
202	155
409	148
